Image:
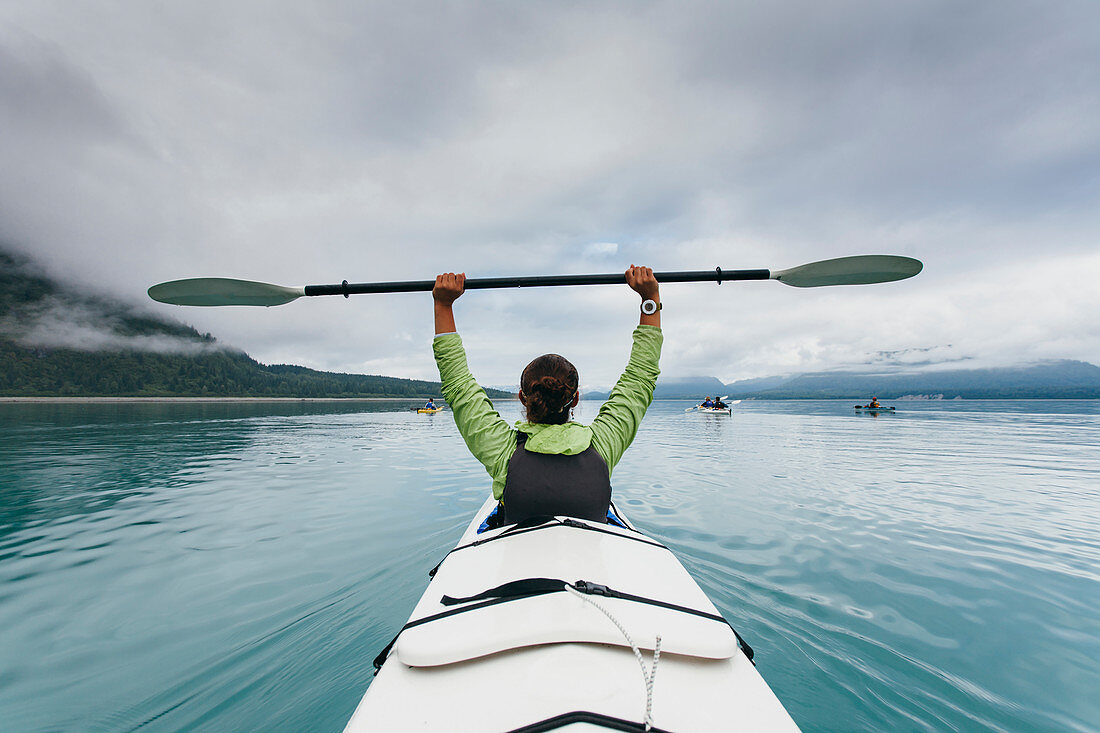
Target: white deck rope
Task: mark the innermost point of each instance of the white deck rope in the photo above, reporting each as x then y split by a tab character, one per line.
648	675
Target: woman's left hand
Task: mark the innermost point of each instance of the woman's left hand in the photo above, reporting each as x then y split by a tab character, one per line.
449	287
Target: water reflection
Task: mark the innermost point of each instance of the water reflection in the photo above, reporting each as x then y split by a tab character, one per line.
173	566
66	459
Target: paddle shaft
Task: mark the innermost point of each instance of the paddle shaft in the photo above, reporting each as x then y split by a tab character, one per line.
486	283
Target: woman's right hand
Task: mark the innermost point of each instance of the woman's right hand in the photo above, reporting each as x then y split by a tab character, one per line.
449	287
642	281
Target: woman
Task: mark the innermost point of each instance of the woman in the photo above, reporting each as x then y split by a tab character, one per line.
547	464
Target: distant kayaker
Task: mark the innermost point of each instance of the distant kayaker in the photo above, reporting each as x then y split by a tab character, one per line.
708	402
430	404
718	403
548	464
874	402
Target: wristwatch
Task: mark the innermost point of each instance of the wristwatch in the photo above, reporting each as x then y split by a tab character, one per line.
649	307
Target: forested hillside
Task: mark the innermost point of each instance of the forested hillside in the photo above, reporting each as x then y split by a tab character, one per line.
55	341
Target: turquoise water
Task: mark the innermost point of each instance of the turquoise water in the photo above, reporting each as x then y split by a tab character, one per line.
237	566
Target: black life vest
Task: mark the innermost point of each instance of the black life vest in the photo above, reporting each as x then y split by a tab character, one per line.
544	484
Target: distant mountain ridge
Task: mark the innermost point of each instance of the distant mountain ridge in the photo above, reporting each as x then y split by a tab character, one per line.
57	341
1060	379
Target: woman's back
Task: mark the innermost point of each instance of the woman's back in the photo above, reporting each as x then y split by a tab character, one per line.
549	464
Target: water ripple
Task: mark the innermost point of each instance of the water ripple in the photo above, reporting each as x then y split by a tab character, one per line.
167	567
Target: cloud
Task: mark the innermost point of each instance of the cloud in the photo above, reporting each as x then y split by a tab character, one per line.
40	313
600	250
62	323
944	354
310	143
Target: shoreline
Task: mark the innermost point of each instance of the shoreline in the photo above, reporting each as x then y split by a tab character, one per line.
280	400
108	400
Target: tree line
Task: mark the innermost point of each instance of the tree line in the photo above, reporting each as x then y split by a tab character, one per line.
39	372
26	370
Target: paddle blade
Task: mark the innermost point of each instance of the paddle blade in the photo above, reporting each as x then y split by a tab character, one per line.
211	291
858	270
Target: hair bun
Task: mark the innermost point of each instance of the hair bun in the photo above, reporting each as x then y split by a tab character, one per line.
549	384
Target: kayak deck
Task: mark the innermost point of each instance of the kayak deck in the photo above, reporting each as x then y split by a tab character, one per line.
507	663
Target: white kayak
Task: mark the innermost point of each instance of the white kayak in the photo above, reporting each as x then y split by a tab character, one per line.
498	642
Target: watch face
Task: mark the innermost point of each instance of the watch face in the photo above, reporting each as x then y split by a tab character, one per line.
649	307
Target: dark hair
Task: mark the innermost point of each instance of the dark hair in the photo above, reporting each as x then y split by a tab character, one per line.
549	384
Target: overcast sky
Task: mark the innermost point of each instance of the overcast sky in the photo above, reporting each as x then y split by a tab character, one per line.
311	142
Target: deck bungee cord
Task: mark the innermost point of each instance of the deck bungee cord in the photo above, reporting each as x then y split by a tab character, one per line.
648	675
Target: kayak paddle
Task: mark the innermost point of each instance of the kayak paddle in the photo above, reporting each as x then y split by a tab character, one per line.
858	270
699	407
723	398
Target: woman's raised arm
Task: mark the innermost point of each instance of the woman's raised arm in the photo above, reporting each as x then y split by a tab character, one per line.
642	281
448	288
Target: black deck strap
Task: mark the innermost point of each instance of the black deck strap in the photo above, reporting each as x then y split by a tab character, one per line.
583	716
745	646
344	286
719	271
381	658
575	524
527	525
433	571
537	523
602	590
530	587
514	589
615	511
382	655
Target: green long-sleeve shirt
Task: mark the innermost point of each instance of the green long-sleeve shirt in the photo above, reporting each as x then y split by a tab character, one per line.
493	441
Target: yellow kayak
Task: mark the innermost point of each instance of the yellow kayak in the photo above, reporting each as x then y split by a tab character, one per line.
428	411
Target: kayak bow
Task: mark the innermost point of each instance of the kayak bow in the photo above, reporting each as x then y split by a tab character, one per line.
506	638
